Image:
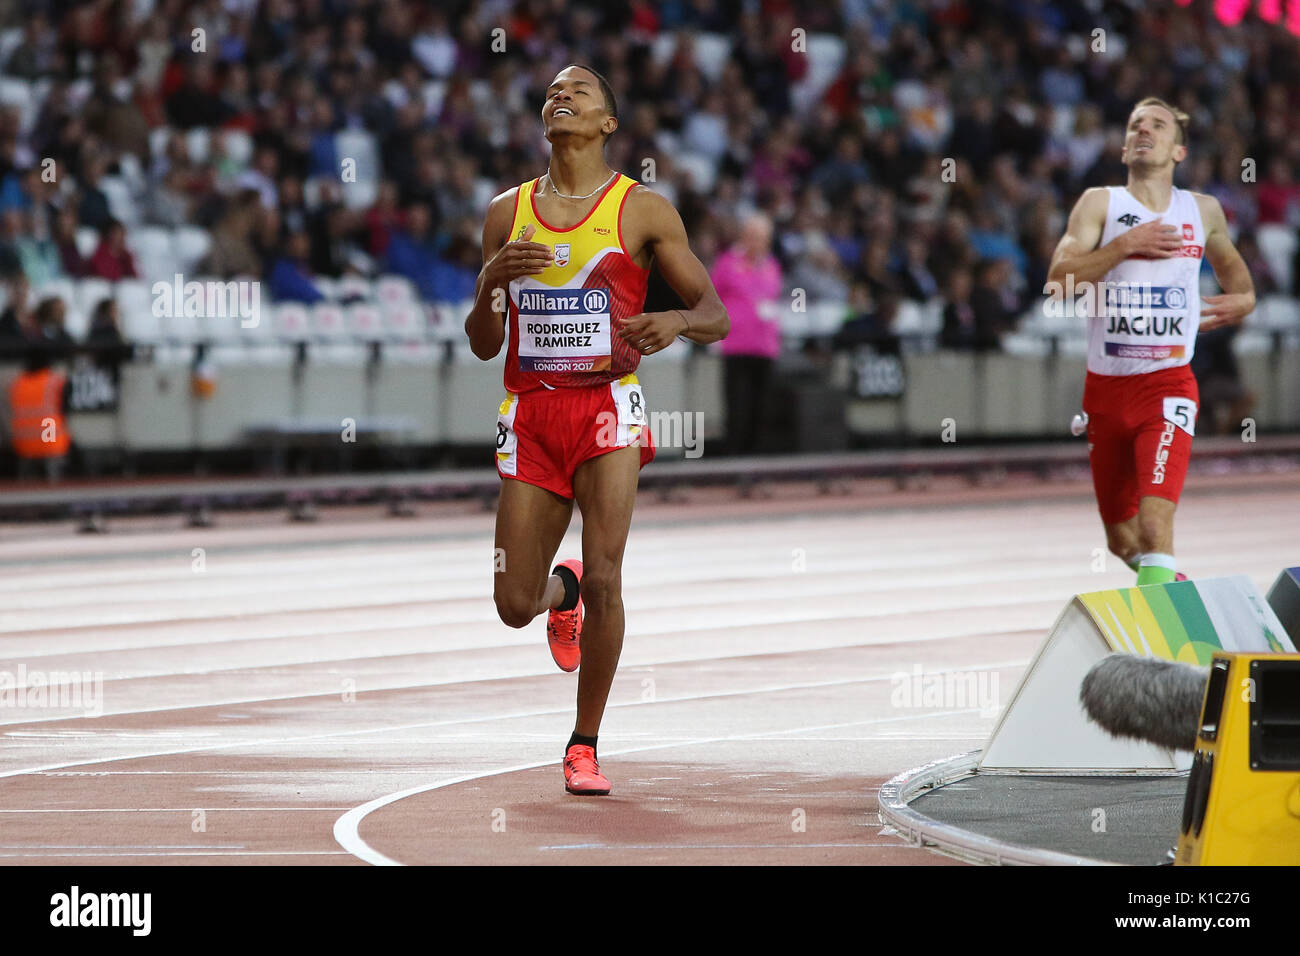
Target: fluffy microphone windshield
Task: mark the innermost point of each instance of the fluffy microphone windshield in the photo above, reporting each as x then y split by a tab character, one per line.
1146	698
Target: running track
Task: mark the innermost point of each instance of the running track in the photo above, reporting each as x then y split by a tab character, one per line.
342	692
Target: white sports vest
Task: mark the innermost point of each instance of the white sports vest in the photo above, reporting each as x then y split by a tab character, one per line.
1145	312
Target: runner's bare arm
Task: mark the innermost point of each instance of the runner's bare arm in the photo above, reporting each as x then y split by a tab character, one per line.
503	261
704	319
1238	298
1078	256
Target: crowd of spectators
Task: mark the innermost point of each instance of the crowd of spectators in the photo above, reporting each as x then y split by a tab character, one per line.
939	163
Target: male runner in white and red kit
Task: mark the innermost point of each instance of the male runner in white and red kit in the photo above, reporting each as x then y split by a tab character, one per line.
568	256
1142	245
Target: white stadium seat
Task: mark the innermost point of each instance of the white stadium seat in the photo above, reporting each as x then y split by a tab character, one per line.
88	241
91	292
1277	244
365	322
700	168
404	321
711	53
354	288
359	146
190	245
291	322
140	325
158	139
76	323
133	295
326	286
239	147
154	252
198	140
181	329
327	322
65	289
120	201
394	290
361	194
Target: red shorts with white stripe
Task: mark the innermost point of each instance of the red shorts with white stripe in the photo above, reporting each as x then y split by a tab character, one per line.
1140	430
545	434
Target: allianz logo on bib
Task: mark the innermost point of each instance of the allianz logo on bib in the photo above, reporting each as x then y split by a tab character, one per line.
1135	295
564	301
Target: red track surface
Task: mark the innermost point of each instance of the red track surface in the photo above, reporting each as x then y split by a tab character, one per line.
308	673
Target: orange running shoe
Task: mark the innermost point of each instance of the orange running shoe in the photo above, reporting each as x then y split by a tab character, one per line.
564	628
582	774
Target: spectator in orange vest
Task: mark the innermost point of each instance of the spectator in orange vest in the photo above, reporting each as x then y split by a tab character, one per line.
37	427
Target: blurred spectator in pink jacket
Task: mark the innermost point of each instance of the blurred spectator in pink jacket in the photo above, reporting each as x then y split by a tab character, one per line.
748	278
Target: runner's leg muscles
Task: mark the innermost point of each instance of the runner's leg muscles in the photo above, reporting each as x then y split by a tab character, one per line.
1123	540
605	488
531	521
1155	519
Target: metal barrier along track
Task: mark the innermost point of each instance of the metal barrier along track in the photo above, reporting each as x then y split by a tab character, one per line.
197	496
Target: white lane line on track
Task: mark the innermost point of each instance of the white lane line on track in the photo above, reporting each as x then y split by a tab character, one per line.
176	809
629	663
99	854
716	846
685	698
347	826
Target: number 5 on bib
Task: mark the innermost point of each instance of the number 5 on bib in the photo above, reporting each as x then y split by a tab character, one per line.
1182	412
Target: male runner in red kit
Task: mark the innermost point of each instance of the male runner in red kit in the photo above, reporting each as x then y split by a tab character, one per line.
565	264
1135	251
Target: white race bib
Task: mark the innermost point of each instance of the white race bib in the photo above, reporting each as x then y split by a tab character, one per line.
564	330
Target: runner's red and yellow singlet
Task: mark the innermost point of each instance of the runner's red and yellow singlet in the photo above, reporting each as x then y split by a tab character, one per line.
563	323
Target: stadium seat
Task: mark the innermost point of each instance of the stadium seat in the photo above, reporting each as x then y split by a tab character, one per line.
198	140
702	171
326	286
1277	244
435	91
65	289
1275	312
90	292
361	194
133	295
158	139
404	322
394	290
327	322
190	245
76	323
825	60
909	319
140	325
825	318
1025	344
10	40
120	201
413	353
364	322
712	51
88	241
154	252
291	323
354	289
358	145
182	329
238	146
